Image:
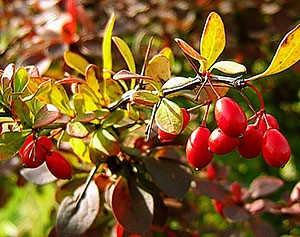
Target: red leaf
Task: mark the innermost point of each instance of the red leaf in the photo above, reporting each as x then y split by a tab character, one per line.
236	213
132	206
264	185
214	190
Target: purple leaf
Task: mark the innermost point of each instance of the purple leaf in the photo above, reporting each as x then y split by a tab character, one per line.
264	185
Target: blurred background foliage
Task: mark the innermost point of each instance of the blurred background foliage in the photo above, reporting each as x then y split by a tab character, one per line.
31	33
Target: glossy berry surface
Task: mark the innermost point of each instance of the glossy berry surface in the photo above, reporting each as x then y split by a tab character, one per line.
250	143
164	136
197	151
219	143
230	117
275	148
33	153
271	121
58	165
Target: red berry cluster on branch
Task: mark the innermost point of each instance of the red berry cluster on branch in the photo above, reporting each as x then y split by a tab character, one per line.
235	131
36	151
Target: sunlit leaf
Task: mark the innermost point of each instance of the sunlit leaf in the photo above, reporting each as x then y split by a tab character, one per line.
85	117
72	220
59	98
80	148
20	79
7	76
213	39
113	90
126	75
169	54
126	53
76	62
77	129
287	54
229	67
132	113
132	206
85	99
39	88
103	144
11	143
176	82
144	97
170	176
106	46
159	69
169	117
97	83
45	116
113	118
185	47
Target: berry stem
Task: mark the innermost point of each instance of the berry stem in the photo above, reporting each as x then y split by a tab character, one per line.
198	106
207	75
262	103
203	124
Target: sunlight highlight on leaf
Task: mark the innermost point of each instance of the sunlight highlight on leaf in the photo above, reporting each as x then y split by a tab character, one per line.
106	46
213	39
287	54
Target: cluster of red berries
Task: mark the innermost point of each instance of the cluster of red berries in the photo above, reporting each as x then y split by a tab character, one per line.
36	151
233	131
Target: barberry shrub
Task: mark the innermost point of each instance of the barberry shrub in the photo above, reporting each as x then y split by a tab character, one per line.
126	150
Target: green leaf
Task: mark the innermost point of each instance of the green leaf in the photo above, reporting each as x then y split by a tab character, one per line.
59	98
76	62
229	67
45	116
80	148
97	83
20	79
169	117
11	143
287	54
113	118
74	220
76	129
213	39
170	176
39	88
22	112
126	53
106	46
144	97
103	144
132	207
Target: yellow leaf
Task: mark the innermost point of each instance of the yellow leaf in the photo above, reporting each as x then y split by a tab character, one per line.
106	46
287	54
213	39
169	54
76	62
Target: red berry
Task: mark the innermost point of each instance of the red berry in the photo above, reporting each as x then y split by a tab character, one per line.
219	143
58	165
219	206
250	143
197	151
275	148
236	192
164	136
271	121
230	117
33	153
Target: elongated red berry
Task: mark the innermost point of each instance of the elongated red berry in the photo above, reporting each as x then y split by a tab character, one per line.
271	121
33	153
197	151
275	148
250	143
219	143
164	136
58	165
230	117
